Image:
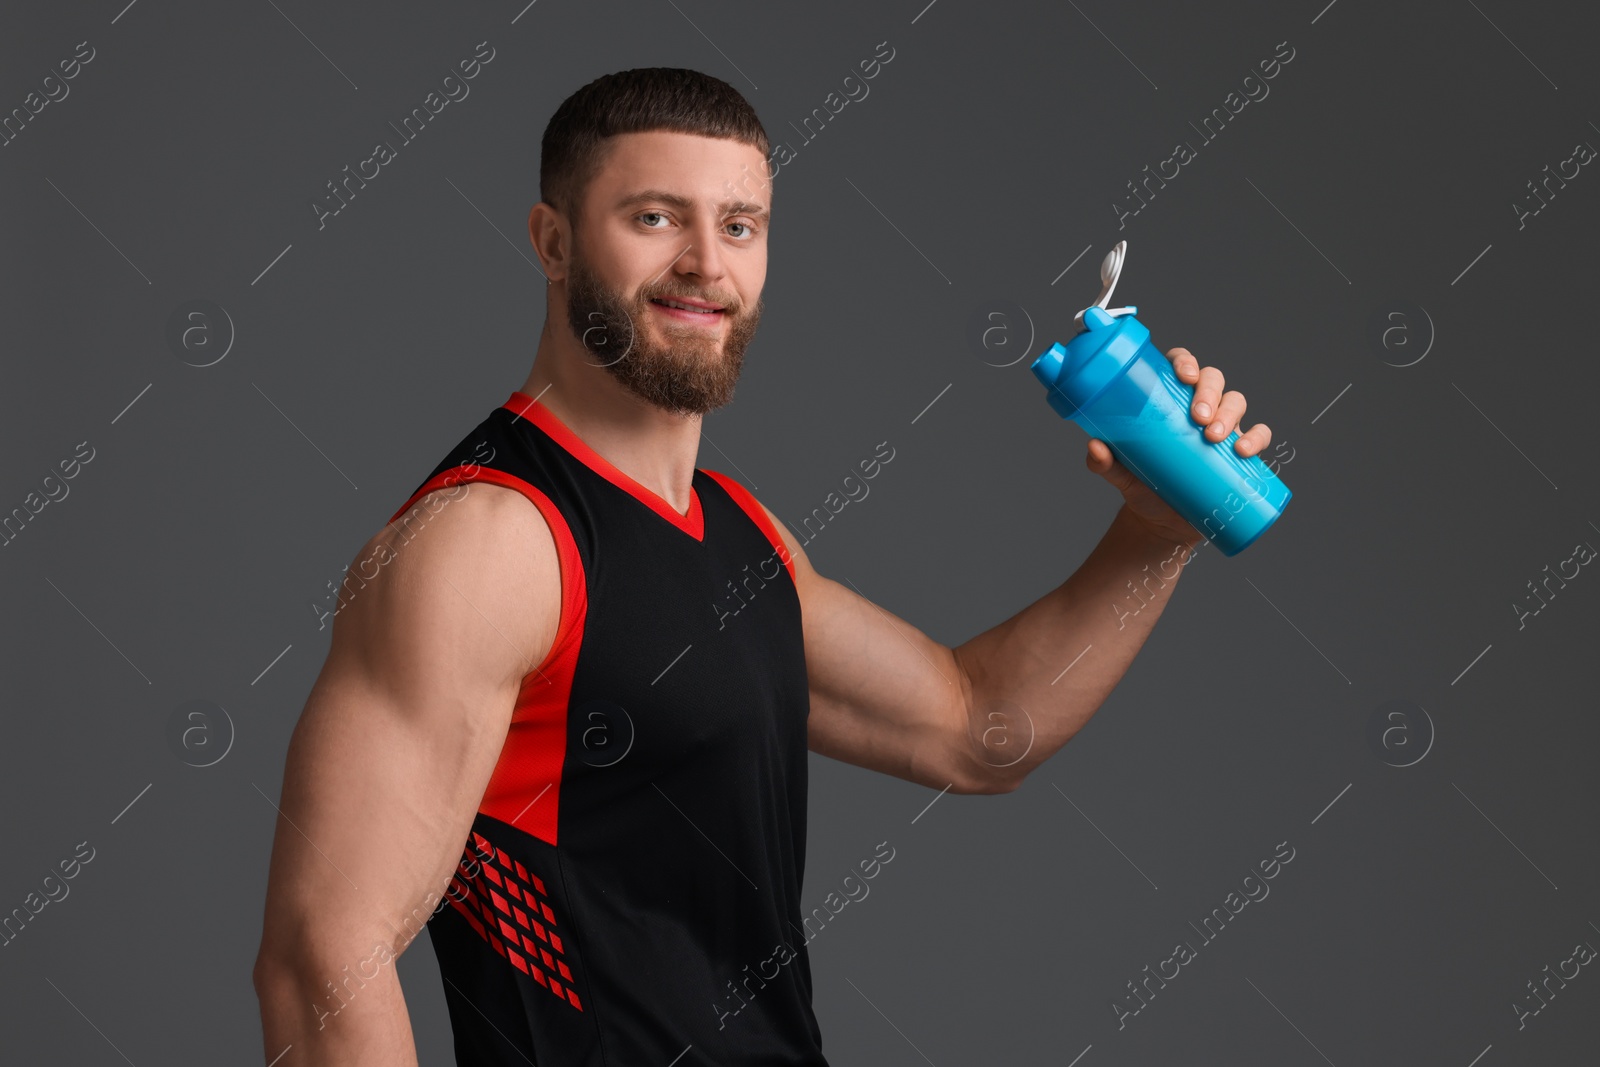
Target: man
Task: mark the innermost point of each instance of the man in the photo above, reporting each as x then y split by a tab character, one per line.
547	731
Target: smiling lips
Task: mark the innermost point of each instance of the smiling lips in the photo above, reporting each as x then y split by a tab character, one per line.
696	311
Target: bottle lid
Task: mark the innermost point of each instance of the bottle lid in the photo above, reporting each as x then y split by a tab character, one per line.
1079	371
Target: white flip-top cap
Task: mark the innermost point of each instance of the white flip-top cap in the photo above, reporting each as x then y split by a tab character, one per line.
1110	271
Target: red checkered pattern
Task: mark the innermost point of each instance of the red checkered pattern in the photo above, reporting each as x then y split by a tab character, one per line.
510	920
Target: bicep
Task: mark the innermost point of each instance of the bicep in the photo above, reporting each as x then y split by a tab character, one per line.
404	725
884	695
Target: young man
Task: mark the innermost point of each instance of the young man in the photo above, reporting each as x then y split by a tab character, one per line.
565	715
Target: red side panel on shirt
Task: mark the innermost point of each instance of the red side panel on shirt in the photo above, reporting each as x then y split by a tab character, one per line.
525	789
486	910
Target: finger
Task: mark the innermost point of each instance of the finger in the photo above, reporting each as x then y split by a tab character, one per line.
1102	461
1207	392
1184	364
1256	439
1228	414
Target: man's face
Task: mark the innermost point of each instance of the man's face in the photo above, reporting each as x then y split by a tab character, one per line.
671	217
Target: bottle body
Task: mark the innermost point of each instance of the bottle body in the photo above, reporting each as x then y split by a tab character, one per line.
1143	414
1113	382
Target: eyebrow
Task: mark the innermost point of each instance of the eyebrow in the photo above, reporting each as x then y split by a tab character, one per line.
684	203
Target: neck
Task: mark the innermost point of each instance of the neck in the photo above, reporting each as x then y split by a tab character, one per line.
655	448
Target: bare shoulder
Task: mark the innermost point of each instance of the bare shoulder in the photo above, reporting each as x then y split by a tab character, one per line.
469	575
442	615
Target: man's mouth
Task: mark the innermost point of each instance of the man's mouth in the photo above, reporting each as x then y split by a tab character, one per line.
686	303
689	311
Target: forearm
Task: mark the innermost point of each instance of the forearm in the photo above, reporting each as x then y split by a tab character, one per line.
1034	680
326	1015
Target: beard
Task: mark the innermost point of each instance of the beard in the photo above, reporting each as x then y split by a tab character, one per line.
691	372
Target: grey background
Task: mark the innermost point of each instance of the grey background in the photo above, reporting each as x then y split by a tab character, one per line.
979	170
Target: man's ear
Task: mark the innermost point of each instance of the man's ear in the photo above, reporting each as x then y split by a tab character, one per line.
551	237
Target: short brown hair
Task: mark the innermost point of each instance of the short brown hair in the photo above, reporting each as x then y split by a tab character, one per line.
635	101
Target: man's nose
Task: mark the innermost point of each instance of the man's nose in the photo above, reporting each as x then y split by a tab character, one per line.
703	258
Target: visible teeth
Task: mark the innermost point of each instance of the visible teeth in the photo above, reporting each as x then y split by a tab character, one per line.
686	307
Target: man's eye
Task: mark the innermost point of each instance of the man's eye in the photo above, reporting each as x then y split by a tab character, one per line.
652	214
749	231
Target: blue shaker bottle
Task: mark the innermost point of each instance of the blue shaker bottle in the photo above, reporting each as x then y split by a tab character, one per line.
1112	381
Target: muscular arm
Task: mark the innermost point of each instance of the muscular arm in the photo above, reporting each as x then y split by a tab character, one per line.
389	761
979	717
1038	677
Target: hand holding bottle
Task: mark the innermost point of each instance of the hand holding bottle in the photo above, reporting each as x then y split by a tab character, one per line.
1162	430
1221	413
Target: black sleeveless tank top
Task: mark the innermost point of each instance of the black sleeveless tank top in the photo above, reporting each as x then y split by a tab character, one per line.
630	891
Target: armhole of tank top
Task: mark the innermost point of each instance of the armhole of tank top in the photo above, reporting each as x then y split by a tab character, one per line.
758	515
573	590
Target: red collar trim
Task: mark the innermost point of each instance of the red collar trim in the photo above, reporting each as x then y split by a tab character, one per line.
535	412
